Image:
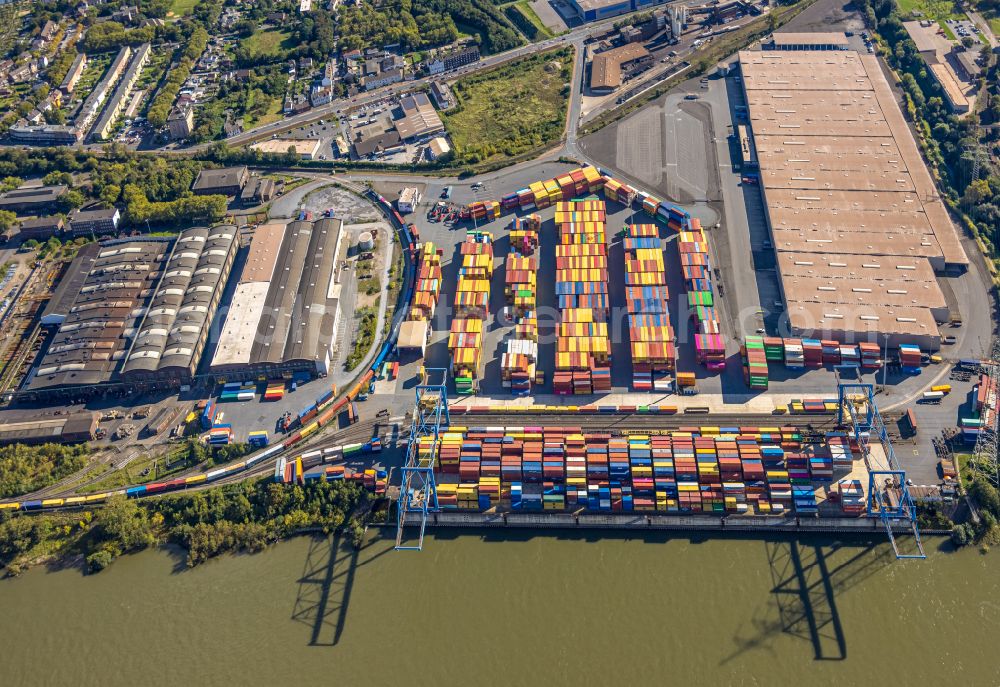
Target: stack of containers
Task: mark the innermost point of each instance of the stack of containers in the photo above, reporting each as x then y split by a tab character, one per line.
521	352
909	358
427	288
472	298
852	496
812	353
831	352
794	354
754	363
675	216
708	470
208	414
696	269
274	391
774	349
618	192
583	351
484	210
220	434
871	356
238	391
647	297
840	450
849	355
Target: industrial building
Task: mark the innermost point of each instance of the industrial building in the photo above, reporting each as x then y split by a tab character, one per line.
607	68
30	428
172	335
417	117
286	306
594	10
40	228
940	55
306	148
32	199
228	181
807	41
854	215
132	310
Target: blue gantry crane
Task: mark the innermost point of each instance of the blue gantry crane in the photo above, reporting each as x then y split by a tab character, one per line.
417	490
888	494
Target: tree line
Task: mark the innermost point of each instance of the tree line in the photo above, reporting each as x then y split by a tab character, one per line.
246	516
948	141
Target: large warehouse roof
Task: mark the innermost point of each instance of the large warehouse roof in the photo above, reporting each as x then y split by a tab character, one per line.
842	176
170	334
290	315
93	337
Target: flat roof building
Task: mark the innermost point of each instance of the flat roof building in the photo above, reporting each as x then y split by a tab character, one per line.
307	148
593	10
94	222
808	41
856	221
286	306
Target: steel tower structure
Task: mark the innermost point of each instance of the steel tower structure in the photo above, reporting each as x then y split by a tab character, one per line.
888	494
418	491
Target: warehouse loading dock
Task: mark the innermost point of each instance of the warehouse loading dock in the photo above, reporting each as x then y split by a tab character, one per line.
845	187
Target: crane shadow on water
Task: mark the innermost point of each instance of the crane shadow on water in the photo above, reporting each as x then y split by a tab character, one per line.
324	594
806	580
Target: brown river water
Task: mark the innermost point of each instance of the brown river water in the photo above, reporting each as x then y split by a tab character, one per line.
513	608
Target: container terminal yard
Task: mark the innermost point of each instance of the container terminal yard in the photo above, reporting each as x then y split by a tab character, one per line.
567	341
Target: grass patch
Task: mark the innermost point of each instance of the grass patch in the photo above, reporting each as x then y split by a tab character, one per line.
181	8
270	43
964	469
369	286
364	337
273	113
938	10
527	20
522	104
159	468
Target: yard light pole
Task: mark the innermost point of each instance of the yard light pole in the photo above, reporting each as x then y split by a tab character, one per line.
885	356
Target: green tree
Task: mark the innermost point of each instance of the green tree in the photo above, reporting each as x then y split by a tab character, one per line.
7	220
123	522
70	200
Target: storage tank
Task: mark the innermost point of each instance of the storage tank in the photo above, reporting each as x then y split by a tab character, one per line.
366	241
